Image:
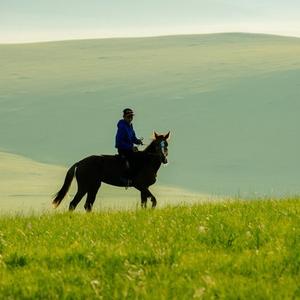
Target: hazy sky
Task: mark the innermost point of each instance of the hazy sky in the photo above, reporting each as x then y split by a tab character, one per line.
34	20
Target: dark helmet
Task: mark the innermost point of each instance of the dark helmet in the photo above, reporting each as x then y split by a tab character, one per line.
128	112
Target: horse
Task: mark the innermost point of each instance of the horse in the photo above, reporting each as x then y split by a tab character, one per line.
91	171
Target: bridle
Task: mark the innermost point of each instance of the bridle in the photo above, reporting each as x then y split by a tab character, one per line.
163	151
159	148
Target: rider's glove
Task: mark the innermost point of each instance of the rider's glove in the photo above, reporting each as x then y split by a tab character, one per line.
140	141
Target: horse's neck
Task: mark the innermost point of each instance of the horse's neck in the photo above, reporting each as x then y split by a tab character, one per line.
150	149
156	165
152	159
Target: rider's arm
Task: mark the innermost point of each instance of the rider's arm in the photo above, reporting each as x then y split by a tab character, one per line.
136	140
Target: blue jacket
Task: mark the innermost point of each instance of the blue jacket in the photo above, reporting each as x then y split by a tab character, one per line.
125	137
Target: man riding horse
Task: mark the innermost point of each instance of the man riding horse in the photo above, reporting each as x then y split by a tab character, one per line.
125	143
91	171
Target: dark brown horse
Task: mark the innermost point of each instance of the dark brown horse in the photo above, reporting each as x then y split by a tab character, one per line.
93	170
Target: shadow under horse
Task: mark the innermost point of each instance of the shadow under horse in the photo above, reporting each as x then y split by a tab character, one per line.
93	170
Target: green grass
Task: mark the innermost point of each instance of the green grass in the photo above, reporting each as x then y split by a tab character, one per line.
232	250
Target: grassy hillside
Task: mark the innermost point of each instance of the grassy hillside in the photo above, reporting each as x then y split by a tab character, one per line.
231	102
232	250
28	187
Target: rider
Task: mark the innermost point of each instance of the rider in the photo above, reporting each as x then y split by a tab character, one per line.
126	139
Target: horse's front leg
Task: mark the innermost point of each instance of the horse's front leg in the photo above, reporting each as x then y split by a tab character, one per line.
153	199
145	195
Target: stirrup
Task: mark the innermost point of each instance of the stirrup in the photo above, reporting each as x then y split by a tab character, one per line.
129	183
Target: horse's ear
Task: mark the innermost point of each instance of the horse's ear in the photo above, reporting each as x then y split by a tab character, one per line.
167	136
155	135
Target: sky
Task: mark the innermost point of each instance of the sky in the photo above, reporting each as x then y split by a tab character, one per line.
43	20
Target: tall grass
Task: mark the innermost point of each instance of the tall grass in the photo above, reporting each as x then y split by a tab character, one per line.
232	250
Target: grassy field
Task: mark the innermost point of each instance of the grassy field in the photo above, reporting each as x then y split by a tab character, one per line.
231	102
227	250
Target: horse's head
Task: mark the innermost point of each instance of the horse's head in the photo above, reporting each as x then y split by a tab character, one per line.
160	145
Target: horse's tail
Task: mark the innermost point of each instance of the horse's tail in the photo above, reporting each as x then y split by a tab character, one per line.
63	191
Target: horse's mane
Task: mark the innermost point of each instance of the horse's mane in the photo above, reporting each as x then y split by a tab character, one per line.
148	148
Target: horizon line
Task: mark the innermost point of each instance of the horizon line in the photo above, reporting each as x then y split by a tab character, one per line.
144	36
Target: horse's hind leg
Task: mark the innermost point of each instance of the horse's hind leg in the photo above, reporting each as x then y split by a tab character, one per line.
143	199
92	192
80	193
